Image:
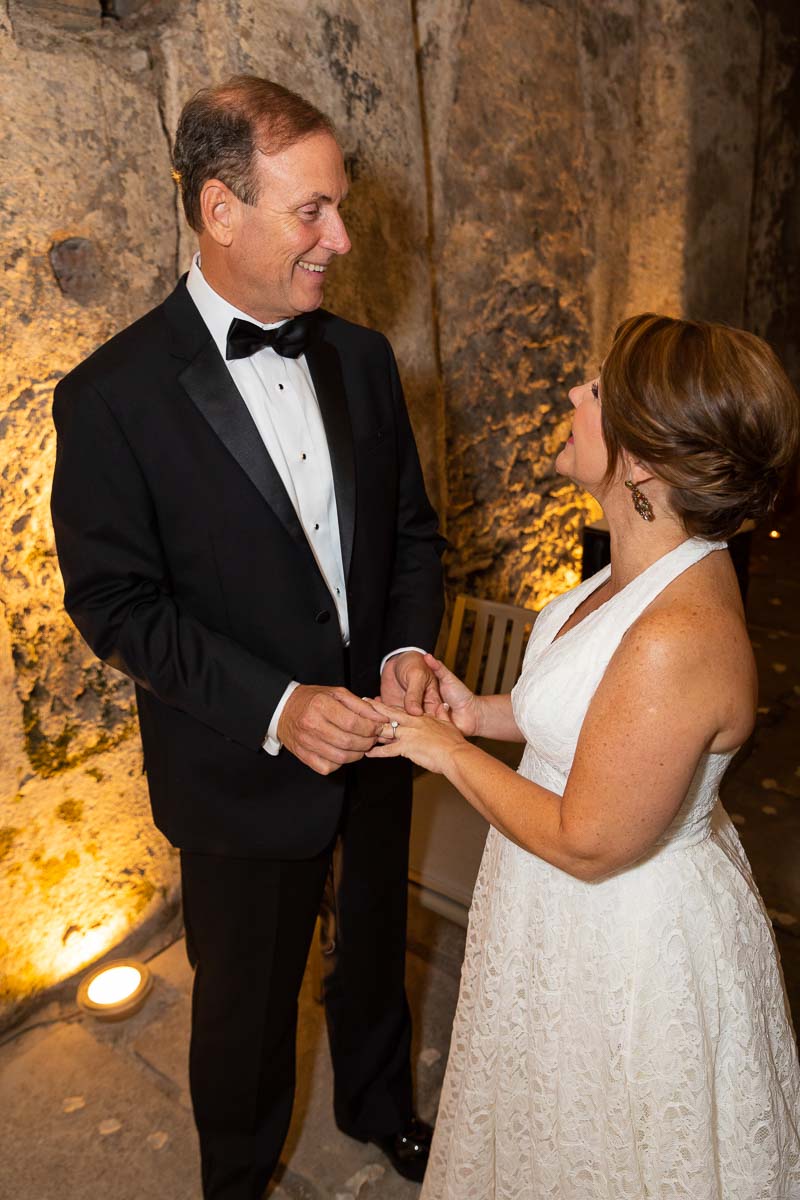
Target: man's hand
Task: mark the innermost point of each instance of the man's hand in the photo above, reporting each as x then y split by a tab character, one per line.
408	682
326	727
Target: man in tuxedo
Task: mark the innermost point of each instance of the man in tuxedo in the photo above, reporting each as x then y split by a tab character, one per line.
243	530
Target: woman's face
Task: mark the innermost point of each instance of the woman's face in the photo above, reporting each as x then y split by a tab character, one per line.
584	458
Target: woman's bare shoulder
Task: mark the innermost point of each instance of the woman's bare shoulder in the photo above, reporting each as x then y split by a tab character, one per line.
699	614
703	603
694	638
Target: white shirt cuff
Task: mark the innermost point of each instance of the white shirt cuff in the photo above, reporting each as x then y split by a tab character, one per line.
272	742
401	650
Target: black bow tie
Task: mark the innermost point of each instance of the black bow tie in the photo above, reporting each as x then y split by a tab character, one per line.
289	340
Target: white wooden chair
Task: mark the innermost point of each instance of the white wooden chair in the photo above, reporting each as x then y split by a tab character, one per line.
484	647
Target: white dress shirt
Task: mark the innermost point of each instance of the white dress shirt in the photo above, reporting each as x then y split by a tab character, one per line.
281	400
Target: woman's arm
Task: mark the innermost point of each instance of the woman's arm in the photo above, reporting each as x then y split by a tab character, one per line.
653	715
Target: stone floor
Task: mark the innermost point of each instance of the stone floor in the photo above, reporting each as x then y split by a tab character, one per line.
90	1111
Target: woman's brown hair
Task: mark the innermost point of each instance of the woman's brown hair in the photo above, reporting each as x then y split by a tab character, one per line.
709	409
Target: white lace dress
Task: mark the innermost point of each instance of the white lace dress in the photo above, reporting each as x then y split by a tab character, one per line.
625	1039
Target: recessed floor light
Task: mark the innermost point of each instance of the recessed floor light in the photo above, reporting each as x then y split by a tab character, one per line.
115	990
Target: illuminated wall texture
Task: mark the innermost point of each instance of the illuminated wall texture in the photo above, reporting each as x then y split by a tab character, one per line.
523	174
588	161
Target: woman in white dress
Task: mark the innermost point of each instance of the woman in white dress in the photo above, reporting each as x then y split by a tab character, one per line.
622	1029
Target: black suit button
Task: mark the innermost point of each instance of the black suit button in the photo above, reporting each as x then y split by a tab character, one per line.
322	617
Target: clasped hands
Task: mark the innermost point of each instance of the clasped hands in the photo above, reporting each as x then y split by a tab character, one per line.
326	727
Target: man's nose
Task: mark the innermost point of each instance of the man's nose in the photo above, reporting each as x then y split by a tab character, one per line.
336	238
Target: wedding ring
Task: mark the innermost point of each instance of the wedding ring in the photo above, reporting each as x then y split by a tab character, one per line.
394	725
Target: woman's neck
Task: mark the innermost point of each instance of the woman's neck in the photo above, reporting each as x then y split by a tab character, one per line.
636	544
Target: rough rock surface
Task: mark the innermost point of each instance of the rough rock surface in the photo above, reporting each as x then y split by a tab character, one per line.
505	122
82	867
773	283
587	162
80	862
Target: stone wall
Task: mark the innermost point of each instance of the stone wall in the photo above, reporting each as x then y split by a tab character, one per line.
86	167
524	173
772	306
588	161
504	118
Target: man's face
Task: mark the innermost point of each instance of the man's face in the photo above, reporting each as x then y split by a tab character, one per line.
283	244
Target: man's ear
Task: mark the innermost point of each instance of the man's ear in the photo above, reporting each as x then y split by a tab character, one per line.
219	209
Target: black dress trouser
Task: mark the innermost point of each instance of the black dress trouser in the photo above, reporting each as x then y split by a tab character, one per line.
249	924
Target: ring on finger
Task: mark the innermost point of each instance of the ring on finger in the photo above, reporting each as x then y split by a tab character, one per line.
394	725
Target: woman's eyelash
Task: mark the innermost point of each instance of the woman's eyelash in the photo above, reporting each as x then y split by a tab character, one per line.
596	389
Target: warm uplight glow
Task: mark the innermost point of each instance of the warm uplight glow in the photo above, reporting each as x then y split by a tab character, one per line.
116	990
556	583
113	985
83	948
774	533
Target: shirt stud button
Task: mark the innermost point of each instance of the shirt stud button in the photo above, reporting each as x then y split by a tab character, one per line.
303	457
316	526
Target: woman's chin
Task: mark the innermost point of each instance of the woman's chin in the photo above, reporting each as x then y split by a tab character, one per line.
563	466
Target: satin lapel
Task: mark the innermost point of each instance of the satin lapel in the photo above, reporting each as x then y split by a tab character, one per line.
326	372
210	386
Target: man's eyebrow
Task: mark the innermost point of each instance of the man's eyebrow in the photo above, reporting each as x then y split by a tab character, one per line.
322	196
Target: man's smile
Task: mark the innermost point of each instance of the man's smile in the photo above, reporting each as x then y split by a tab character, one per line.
309	266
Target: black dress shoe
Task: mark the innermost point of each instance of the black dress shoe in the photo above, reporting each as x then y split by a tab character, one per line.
408	1149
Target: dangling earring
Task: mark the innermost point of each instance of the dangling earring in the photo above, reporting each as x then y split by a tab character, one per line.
640	502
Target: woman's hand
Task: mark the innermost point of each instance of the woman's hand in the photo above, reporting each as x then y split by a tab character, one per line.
462	704
428	741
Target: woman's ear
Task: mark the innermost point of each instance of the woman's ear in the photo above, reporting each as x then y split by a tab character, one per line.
634	469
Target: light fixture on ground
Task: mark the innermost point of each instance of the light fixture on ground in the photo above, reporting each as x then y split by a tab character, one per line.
115	990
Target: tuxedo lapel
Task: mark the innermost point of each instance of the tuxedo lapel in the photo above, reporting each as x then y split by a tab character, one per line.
208	384
326	373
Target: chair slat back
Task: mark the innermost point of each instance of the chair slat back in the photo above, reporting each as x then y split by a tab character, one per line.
505	627
454	633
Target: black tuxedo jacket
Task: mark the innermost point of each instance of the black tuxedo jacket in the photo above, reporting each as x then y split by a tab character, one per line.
185	566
